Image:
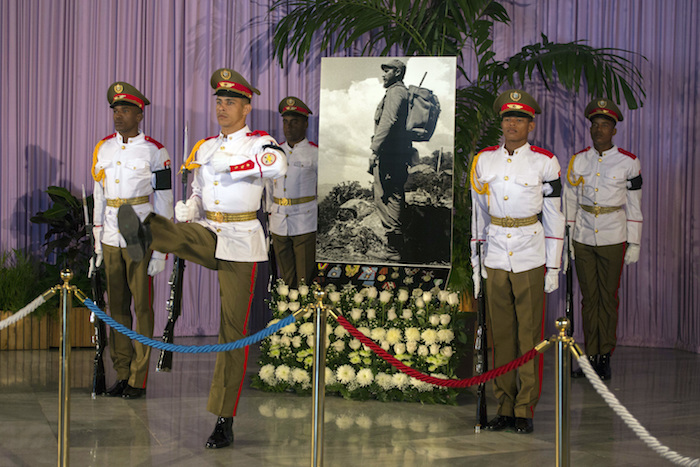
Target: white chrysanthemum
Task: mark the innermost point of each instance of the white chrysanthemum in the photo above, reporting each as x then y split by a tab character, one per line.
442	295
294	306
446	351
420	385
282	306
303	290
282	373
358	298
355	344
400	380
393	336
385	296
306	329
340	332
411	347
293	295
399	349
434	349
299	375
384	381
355	358
334	297
364	330
289	329
403	295
453	299
274	339
446	335
371	313
267	374
365	377
420	303
283	290
272	321
338	346
330	377
391	315
429	336
286	341
372	292
445	319
356	314
377	334
296	342
423	350
310	341
345	374
412	334
427	296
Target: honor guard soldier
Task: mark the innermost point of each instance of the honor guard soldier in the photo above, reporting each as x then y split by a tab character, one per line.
129	167
603	197
293	207
218	228
513	187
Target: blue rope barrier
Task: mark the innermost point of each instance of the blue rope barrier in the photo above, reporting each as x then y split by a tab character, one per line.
240	343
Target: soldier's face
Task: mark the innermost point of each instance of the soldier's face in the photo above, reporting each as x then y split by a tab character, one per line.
602	131
231	112
390	76
126	119
294	127
515	129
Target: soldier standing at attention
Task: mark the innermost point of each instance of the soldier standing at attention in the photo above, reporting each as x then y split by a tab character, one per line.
512	185
128	167
219	229
603	197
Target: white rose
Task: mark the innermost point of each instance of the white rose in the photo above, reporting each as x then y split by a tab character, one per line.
417	293
355	344
371	313
391	315
453	299
334	297
293	294
385	296
338	346
446	335
400	349
285	341
294	306
311	342
283	290
411	347
340	332
289	329
434	320
357	298
423	350
446	351
364	330
434	349
403	295
445	319
442	295
385	345
282	306
372	292
419	302
377	334
406	314
356	314
427	296
330	377
306	329
303	290
296	341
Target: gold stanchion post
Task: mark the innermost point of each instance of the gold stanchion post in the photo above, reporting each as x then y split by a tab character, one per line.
319	380
64	372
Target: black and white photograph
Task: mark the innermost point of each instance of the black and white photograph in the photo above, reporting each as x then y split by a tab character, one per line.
386	147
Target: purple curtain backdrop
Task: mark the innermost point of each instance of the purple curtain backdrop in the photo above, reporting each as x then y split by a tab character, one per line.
58	57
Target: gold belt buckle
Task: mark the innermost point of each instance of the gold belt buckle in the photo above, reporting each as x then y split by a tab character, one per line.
285	202
508	222
119	202
219	216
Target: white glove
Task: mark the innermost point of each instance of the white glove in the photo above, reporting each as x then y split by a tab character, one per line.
476	278
95	264
571	245
97	239
221	163
155	266
185	212
551	280
632	253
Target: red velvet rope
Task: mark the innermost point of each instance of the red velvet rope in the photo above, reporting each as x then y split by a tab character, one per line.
452	383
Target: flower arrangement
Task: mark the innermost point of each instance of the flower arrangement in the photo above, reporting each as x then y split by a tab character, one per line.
423	329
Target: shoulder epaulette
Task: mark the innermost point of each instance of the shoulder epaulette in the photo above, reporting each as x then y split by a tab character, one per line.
313	144
490	148
626	153
108	137
540	150
190	164
258	133
583	150
153	141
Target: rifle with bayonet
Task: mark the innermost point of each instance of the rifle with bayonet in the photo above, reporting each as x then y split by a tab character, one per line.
481	347
100	336
174	303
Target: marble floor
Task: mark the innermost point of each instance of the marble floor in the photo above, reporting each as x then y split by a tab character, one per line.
168	427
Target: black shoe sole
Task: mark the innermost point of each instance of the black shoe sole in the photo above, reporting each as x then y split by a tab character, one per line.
129	227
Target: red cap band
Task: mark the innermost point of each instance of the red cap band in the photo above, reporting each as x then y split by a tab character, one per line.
231	86
294	108
127	98
516	107
603	111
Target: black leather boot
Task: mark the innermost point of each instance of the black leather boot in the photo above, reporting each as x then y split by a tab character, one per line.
222	435
593	359
604	370
117	389
136	235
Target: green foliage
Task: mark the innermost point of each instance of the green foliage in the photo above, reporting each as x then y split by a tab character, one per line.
19	274
339	195
452	28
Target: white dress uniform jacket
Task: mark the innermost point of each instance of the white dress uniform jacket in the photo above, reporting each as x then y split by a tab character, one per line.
607	182
238	191
127	168
300	181
518	186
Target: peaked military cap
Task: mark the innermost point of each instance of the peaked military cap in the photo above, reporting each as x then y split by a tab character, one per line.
395	63
604	107
227	82
516	100
124	93
293	105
